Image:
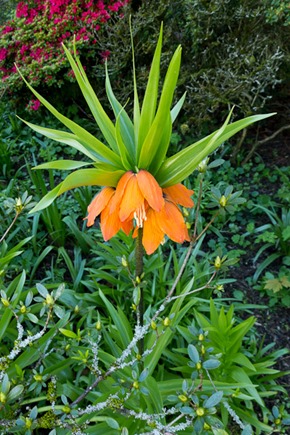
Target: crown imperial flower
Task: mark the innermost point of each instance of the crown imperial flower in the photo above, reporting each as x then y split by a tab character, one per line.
143	191
138	201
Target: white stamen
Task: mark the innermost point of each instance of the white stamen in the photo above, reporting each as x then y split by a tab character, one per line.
140	216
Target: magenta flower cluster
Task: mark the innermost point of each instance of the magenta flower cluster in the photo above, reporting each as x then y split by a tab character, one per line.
33	39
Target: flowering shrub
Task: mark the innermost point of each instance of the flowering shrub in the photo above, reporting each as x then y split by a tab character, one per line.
32	40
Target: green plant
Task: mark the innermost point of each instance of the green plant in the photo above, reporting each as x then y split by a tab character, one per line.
224	64
275	235
276	287
114	349
218	334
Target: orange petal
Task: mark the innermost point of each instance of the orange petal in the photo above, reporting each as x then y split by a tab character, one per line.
171	222
127	226
150	189
179	194
98	204
132	199
110	223
116	201
152	233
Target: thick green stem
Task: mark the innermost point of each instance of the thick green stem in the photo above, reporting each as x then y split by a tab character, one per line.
139	253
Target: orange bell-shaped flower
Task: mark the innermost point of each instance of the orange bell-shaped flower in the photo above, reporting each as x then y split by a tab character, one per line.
139	201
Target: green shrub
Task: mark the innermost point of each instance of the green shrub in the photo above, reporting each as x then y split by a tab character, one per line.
231	54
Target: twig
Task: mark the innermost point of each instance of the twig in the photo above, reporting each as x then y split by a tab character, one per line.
261	142
9	228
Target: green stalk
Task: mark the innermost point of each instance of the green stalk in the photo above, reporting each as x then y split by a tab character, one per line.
139	254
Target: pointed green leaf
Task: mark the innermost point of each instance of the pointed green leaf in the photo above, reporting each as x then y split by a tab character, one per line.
68	333
15	393
136	109
178	167
239	375
213	400
163	146
62	165
81	135
82	177
120	320
126	158
102	119
62	137
176	109
126	125
152	141
150	98
193	353
90	177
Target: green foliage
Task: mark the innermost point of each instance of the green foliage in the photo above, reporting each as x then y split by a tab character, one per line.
223	64
277	287
71	359
58	340
275	235
278	11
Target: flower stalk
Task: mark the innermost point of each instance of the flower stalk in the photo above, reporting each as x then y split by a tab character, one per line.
139	256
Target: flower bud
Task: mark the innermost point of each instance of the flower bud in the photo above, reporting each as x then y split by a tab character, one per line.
198	366
5	302
28	423
223	201
206	426
66	409
202	167
138	280
153	325
136	385
76	309
124	262
18	205
220	288
217	263
166	321
38	378
23	309
98	325
49	300
185	212
2	397
201	337
183	398
200	412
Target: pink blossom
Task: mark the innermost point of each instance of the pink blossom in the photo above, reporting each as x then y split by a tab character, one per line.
3	53
115	7
22	10
7	29
33	105
23	49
